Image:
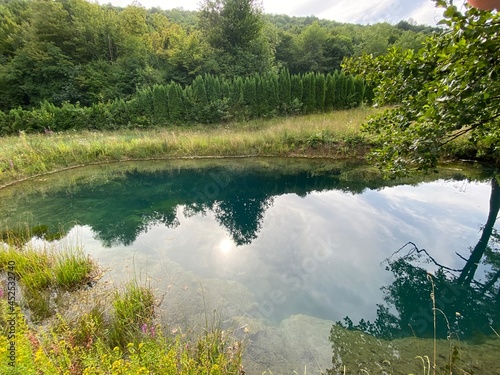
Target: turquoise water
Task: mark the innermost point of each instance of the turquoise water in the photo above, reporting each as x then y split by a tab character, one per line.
280	249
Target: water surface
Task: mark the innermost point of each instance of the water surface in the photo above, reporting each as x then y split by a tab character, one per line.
277	249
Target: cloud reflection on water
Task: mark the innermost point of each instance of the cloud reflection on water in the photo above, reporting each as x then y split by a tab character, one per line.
321	254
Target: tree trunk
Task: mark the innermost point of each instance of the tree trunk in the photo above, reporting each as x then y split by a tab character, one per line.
468	272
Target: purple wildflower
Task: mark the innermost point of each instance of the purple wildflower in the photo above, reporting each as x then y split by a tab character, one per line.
148	330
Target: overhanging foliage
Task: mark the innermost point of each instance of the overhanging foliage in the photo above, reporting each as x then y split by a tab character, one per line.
448	89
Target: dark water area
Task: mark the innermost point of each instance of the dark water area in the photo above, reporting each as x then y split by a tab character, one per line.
284	248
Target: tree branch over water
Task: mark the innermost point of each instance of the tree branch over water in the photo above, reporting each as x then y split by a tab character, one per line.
447	90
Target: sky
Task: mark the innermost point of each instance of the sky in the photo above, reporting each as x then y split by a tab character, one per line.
350	11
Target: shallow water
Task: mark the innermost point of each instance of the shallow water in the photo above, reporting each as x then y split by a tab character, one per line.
276	249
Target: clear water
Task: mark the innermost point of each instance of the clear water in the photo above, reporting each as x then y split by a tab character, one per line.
278	250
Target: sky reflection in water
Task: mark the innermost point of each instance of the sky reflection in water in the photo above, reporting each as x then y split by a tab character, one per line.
284	249
318	255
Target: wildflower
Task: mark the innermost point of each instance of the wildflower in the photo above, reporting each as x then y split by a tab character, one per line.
34	341
152	331
148	330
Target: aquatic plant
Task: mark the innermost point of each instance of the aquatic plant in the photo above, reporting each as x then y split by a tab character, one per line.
133	314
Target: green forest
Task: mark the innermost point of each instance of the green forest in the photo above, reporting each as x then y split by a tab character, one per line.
69	64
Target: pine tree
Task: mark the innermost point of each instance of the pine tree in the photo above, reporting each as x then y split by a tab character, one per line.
236	98
143	110
175	103
338	79
320	92
309	84
225	89
250	95
350	94
190	112
200	97
119	112
261	104
216	88
359	89
272	89
160	104
330	92
297	89
212	87
285	90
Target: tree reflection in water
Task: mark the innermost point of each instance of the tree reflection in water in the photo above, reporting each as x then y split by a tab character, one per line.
465	304
122	205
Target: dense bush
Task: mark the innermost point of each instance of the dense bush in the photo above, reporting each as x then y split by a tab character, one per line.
208	100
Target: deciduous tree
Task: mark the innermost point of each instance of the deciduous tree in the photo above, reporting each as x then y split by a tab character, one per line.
234	29
448	89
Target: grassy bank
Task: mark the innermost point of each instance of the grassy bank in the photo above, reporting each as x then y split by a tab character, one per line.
51	322
335	135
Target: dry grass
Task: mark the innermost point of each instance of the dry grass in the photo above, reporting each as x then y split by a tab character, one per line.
28	155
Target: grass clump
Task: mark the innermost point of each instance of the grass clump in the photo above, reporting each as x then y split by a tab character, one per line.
42	274
72	267
133	314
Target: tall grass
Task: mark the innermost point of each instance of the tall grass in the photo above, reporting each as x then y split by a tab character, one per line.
71	268
132	315
86	348
42	272
121	338
335	134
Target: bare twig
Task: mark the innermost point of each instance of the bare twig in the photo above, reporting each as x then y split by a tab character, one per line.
461	257
416	249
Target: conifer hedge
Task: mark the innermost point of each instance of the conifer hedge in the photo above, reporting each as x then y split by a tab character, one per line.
208	100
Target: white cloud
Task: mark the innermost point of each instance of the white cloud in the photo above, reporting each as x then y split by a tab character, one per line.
352	11
428	14
341	10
